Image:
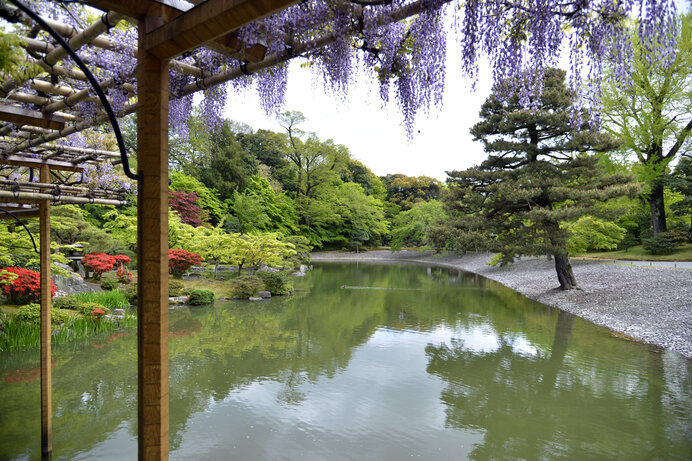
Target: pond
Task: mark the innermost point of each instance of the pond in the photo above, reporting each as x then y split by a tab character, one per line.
367	362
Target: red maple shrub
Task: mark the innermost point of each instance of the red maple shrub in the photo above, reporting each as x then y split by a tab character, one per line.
99	263
180	261
187	206
26	286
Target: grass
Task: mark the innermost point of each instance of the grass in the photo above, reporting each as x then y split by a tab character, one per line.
18	335
111	299
637	253
221	288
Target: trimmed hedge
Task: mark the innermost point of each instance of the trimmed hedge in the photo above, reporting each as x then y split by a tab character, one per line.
275	282
246	286
199	297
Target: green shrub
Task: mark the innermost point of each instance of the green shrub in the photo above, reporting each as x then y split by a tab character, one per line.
130	292
660	244
32	313
199	297
110	299
275	282
678	234
246	286
175	288
627	242
86	308
66	302
109	284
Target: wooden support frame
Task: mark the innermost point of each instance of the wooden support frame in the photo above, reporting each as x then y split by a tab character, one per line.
152	256
206	22
21	116
46	371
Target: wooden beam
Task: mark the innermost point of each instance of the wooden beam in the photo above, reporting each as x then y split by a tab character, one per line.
205	22
152	255
135	9
20	213
21	116
21	160
46	372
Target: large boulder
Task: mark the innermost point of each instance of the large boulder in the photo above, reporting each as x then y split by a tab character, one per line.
71	283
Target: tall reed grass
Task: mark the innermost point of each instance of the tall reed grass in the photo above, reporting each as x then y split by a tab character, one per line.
21	335
111	299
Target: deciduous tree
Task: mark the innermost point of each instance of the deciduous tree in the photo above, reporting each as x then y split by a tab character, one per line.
654	114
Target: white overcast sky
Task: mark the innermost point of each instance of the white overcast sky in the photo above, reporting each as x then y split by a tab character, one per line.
374	134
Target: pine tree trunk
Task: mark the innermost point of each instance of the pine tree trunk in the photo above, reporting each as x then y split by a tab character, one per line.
564	272
658	211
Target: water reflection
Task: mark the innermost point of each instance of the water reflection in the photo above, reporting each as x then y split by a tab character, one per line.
424	363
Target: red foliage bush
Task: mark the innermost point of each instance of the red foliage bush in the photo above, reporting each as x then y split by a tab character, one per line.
99	263
125	276
122	260
187	206
25	287
180	260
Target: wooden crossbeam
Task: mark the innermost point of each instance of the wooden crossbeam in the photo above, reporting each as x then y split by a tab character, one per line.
21	116
22	212
206	22
21	160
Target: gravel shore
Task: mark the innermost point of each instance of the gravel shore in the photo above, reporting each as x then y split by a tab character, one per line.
652	304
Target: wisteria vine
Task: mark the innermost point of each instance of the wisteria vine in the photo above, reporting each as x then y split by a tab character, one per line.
402	45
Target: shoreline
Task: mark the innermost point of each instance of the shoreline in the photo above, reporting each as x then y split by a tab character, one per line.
650	304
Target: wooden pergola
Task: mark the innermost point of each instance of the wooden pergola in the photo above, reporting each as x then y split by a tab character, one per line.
166	29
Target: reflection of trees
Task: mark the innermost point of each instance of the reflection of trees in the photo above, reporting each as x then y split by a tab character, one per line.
522	402
539	407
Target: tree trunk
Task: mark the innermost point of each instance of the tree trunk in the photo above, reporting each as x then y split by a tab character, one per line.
564	272
658	211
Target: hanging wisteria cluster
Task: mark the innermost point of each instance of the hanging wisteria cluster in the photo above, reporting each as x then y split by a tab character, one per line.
401	44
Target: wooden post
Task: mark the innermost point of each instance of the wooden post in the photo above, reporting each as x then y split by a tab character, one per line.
46	375
152	254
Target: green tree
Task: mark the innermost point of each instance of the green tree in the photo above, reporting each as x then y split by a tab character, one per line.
537	176
315	162
269	149
214	245
69	226
406	191
410	228
361	215
653	115
249	213
226	167
681	181
256	250
589	233
208	198
278	207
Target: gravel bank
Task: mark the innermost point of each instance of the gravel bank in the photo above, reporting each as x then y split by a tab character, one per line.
651	304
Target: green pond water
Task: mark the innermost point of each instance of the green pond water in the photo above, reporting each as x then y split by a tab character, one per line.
367	362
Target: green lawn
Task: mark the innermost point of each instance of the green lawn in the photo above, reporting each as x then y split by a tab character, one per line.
637	253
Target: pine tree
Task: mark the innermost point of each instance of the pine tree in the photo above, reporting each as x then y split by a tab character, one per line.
538	175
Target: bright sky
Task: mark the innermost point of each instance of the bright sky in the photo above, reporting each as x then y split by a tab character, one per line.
374	134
